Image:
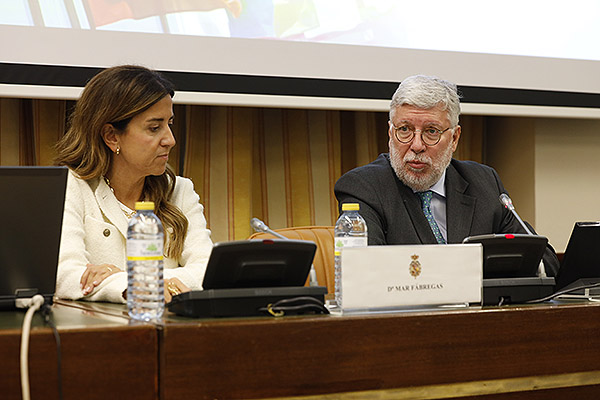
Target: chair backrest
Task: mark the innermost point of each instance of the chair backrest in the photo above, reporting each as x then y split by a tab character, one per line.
323	237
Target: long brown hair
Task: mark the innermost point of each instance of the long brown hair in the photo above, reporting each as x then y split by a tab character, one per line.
115	96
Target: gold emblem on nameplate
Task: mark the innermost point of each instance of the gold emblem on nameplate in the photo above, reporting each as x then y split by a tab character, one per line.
415	266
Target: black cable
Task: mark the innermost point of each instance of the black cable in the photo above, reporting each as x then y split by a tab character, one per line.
46	311
564	291
295	305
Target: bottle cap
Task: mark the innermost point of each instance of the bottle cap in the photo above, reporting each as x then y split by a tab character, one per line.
350	207
144	205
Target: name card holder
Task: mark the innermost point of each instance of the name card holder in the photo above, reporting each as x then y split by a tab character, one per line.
404	276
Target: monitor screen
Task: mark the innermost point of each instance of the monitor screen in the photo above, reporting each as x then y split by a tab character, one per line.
259	263
510	255
581	259
32	213
339	50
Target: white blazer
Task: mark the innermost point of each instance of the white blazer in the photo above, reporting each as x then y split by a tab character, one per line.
95	232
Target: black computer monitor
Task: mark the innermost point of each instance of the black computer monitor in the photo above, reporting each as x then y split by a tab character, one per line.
581	260
32	205
247	277
510	255
259	263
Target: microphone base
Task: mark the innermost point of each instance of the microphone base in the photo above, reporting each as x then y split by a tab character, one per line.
241	302
516	290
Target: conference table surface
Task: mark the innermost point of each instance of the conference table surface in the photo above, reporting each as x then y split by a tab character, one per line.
535	351
101	355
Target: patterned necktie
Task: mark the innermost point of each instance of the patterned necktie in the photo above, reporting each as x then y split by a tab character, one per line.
426	205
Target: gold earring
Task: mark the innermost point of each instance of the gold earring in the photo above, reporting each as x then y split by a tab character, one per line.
118	151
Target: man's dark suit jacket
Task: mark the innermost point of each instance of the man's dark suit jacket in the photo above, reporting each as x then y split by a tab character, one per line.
393	211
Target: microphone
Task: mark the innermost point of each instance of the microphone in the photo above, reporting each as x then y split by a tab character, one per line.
507	202
260	226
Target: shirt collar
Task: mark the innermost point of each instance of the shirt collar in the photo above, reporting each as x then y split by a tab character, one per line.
440	186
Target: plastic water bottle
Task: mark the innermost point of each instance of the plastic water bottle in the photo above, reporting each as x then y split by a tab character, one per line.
145	290
350	231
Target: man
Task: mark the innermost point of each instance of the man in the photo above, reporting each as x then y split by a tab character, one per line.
419	194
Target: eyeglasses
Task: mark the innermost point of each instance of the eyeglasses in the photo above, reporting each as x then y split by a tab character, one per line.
406	133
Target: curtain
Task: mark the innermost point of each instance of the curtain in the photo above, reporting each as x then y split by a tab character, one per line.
279	165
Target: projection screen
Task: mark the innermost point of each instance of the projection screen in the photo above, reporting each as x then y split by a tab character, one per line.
508	58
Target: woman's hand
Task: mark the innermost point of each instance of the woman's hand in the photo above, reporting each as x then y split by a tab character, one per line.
94	274
173	287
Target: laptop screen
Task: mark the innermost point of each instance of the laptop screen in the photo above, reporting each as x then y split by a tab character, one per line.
32	203
582	256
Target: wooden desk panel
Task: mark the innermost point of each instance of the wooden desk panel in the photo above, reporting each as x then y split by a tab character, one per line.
102	357
255	358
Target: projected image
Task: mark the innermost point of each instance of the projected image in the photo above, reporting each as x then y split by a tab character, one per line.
531	28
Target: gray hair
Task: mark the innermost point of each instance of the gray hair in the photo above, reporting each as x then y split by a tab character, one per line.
427	92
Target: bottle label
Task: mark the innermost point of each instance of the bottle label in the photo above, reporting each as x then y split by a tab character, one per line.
144	250
341	242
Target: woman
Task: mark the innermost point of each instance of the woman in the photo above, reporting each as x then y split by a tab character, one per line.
117	148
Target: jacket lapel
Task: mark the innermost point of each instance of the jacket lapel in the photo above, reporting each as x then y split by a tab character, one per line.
412	203
109	205
460	207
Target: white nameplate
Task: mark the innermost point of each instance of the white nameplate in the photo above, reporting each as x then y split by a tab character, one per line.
376	277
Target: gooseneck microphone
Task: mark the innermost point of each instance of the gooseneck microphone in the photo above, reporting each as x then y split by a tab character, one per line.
260	226
507	202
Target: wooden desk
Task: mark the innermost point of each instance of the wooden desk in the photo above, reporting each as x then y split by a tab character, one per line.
503	352
103	356
529	352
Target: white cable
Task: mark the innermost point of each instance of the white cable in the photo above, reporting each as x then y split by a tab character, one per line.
34	304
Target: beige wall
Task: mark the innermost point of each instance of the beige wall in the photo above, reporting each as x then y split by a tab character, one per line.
567	176
551	169
509	148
